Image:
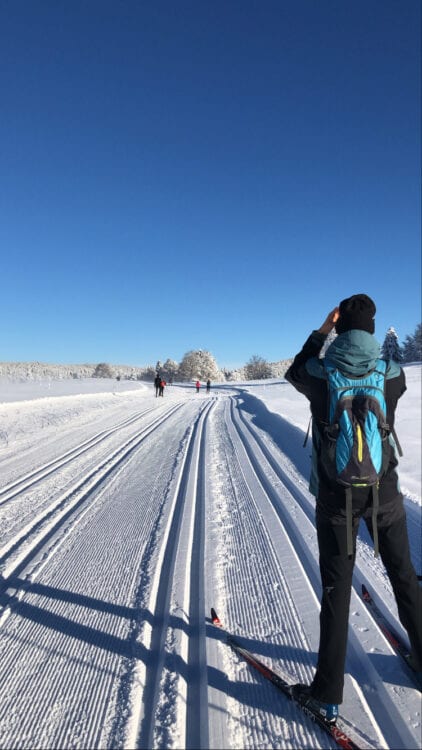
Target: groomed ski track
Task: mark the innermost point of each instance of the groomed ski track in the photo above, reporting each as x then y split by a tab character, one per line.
117	538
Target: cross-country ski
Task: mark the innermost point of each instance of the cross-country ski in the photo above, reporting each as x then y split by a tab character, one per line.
393	637
340	735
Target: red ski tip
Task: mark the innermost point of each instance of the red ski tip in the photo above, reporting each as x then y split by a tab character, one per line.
215	618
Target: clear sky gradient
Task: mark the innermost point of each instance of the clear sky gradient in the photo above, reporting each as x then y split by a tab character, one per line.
214	175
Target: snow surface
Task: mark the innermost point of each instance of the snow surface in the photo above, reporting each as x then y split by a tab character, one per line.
125	517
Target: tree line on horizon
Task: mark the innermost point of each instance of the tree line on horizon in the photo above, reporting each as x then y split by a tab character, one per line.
201	365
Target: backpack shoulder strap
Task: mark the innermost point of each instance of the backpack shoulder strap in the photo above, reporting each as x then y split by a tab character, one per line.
383	367
328	370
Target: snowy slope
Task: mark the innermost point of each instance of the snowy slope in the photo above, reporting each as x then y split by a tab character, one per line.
124	518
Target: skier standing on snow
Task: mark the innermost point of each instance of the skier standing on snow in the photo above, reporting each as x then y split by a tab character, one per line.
208	386
354	352
198	385
157	382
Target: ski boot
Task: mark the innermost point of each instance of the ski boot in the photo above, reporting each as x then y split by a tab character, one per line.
326	711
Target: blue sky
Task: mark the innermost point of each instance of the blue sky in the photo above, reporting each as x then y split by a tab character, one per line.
214	175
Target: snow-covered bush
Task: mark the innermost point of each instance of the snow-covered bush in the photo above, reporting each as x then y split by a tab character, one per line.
257	368
103	370
199	365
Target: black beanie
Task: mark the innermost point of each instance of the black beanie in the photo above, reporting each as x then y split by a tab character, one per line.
356	312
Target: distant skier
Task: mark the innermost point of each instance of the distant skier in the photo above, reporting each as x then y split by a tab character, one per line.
208	386
162	386
353	356
157	382
198	385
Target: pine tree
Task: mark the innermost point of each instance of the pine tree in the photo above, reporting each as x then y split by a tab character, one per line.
391	348
412	346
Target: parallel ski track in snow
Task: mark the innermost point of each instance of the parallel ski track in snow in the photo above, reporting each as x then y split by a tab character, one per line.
81	633
262	565
107	593
15	488
168	695
29	540
266	464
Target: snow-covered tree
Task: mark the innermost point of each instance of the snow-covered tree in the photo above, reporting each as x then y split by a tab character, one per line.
199	365
412	346
103	370
236	374
391	348
279	369
170	369
257	368
148	373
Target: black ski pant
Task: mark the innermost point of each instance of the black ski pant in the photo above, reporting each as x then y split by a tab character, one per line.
336	569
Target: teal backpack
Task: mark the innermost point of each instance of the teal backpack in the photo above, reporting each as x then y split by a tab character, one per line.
355	446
